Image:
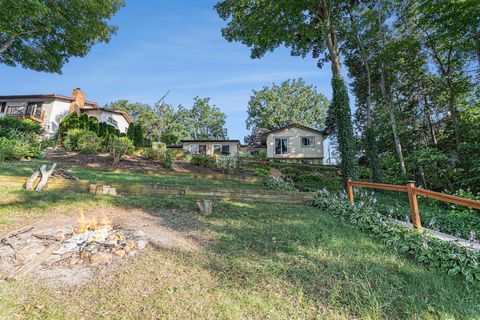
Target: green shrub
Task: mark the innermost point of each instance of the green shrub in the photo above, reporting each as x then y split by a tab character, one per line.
167	159
159	152
24	127
70	142
261	171
120	146
276	183
88	143
203	160
227	164
427	249
17	149
155	152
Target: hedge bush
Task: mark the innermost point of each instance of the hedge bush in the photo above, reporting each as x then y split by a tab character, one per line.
17	149
12	125
120	146
88	143
70	142
159	152
203	160
227	164
423	246
19	138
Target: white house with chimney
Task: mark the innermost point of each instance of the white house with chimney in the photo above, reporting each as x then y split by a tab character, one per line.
51	109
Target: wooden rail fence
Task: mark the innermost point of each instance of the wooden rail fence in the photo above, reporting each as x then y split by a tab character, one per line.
413	192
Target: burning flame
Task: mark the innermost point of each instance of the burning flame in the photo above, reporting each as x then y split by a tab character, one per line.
96	231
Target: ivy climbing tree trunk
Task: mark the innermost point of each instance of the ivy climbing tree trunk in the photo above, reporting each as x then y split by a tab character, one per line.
340	104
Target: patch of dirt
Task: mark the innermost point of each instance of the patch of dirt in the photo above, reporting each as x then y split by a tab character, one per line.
21	249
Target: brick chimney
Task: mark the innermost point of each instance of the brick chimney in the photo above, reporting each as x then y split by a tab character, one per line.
79	100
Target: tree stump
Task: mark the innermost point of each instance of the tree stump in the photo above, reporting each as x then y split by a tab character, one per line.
205	207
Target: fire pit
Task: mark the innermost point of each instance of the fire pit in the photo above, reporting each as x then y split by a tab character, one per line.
74	250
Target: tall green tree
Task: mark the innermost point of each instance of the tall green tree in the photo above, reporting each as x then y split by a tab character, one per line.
290	102
307	26
43	35
204	121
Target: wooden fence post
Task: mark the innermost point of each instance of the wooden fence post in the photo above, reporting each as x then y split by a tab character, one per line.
350	191
412	199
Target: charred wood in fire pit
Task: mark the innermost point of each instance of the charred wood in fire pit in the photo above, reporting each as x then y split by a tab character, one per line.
34	263
17	232
49	237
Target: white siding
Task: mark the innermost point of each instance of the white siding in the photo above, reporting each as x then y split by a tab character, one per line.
295	149
191	146
103	116
55	112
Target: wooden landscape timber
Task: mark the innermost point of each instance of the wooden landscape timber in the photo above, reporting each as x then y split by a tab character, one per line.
413	192
236	194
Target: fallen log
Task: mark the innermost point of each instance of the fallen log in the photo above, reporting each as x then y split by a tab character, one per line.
31	180
30	266
205	206
45	175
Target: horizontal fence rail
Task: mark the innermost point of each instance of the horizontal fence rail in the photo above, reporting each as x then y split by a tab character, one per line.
413	192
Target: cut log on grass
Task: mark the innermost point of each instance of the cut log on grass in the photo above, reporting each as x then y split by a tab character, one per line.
45	175
31	180
205	206
33	264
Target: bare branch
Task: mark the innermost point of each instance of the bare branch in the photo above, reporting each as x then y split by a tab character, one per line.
7	44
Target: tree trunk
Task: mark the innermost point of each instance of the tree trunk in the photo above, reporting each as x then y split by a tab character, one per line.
428	114
453	113
370	139
388	100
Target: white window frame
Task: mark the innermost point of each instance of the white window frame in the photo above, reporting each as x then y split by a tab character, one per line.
217	146
275	146
225	153
307	146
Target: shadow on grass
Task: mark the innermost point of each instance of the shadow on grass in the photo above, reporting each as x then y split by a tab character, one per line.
301	250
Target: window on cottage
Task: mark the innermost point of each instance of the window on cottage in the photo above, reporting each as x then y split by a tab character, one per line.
217	149
225	149
35	109
202	148
308	142
3	106
281	146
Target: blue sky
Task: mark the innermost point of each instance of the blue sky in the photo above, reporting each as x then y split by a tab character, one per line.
176	46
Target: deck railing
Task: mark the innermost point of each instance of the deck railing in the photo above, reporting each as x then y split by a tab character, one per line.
27	112
412	192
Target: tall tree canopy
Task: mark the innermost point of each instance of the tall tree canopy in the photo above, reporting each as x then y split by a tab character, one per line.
307	27
290	102
166	123
44	34
204	121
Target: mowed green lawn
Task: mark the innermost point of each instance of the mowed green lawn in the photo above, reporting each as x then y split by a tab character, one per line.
26	168
254	261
